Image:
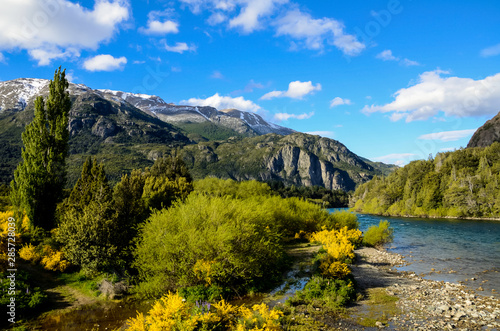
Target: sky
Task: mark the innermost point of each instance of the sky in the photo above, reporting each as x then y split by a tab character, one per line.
393	80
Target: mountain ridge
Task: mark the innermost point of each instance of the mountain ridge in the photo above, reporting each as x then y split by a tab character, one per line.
110	128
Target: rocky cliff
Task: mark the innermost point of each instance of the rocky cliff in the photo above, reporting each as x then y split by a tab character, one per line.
487	134
296	159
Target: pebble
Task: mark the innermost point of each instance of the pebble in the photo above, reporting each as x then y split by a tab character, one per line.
433	305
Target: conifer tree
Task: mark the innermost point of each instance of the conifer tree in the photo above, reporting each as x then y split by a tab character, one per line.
40	177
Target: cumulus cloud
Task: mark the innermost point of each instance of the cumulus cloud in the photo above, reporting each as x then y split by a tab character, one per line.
339	101
448	135
387	55
454	96
56	29
296	90
251	12
491	51
2	58
328	134
250	17
224	102
104	62
180	48
398	159
158	24
314	33
287	116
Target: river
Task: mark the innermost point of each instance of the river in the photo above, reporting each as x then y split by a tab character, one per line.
451	250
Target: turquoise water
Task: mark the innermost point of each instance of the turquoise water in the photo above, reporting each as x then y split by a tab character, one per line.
457	250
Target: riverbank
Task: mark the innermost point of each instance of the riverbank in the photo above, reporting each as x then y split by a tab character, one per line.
497	219
421	304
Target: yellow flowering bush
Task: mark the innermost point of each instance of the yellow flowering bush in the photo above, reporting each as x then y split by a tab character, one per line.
202	269
172	312
339	246
30	253
259	318
50	258
53	259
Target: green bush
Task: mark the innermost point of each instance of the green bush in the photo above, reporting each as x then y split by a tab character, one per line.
322	291
378	235
208	240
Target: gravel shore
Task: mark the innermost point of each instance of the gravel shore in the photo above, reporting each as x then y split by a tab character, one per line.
424	304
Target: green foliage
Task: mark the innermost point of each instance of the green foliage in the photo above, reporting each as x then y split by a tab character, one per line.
87	228
463	183
208	130
322	291
40	178
4	197
239	190
316	194
29	298
232	236
378	235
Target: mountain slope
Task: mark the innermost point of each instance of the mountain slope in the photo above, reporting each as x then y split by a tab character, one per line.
296	159
487	134
242	123
108	125
100	124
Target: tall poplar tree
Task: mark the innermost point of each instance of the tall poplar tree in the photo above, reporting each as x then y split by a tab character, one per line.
40	177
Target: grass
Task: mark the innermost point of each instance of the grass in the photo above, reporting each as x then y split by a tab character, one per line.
86	285
379	308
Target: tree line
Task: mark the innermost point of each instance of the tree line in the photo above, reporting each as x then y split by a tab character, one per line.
462	183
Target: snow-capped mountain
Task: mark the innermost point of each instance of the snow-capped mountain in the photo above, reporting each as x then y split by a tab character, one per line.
240	121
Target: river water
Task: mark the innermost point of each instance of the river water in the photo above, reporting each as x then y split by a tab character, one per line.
447	249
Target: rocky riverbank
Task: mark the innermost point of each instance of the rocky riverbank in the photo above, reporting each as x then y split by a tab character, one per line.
422	304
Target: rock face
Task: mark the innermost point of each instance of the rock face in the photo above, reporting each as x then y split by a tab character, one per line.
487	134
296	159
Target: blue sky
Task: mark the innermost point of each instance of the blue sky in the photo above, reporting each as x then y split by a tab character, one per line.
393	80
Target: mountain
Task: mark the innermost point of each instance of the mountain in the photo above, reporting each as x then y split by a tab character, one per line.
487	134
100	124
295	159
202	120
128	131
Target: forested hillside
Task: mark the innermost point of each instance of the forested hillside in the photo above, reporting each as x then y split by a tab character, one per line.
463	183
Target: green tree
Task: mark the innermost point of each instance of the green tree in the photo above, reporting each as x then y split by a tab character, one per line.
40	177
88	227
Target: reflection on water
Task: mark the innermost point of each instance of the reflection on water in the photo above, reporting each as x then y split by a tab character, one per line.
447	249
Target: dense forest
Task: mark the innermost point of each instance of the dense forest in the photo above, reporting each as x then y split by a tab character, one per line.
462	183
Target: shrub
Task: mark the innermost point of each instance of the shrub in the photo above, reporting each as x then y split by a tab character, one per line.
171	312
378	235
30	253
323	291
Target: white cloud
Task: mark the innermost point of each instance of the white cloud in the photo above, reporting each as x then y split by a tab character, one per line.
491	51
339	101
217	75
2	58
454	96
159	23
296	90
409	63
104	62
157	27
180	48
55	29
448	135
251	12
328	134
398	159
387	56
224	102
313	33
287	116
